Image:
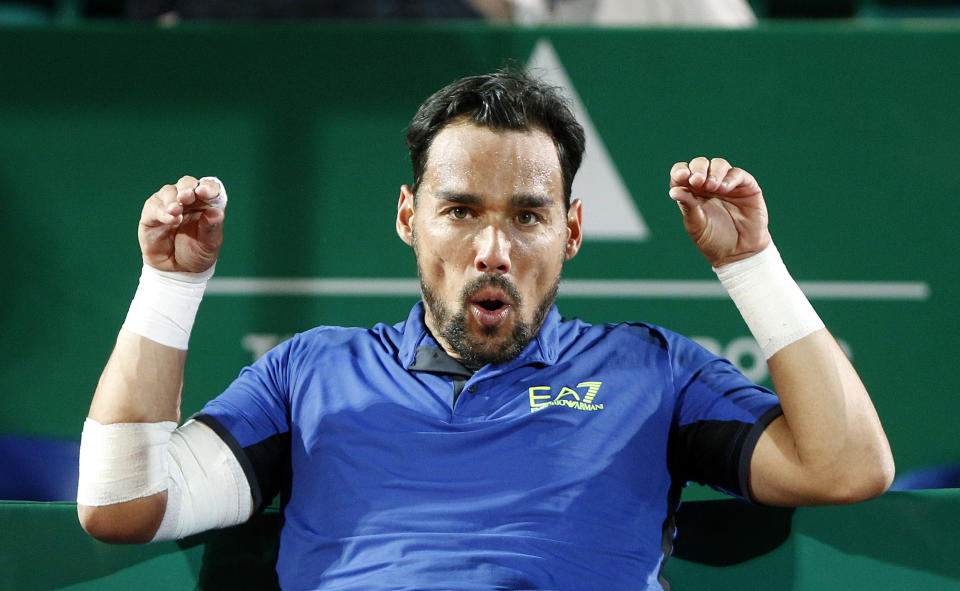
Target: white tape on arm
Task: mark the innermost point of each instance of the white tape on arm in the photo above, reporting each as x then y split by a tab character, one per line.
122	461
770	301
165	305
207	486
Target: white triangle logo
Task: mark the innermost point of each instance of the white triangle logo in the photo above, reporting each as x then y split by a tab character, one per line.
609	211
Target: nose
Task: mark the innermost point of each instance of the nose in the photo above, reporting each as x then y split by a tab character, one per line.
493	251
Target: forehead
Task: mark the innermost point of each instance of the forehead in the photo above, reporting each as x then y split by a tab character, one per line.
464	155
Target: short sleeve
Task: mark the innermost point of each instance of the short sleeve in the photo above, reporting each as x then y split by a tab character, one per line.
252	416
717	421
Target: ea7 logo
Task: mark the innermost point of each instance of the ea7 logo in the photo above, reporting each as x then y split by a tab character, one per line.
580	399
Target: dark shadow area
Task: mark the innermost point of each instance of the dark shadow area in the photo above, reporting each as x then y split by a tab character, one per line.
241	557
726	532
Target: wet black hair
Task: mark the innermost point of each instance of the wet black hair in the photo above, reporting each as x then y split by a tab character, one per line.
504	100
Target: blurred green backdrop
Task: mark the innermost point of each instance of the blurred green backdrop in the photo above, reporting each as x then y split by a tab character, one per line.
851	130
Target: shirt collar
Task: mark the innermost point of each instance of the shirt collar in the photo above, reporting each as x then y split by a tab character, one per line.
542	349
436	360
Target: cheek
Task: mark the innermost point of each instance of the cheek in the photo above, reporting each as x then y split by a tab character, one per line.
438	253
539	262
441	247
544	250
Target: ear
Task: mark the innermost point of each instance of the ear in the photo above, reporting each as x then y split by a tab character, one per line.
574	229
405	215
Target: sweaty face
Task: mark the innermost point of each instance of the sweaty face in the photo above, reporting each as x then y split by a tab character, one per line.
491	234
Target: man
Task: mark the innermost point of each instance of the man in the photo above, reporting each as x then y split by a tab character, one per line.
484	442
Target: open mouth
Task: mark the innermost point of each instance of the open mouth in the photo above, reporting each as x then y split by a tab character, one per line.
490	307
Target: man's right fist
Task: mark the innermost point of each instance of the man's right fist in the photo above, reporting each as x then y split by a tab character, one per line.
181	226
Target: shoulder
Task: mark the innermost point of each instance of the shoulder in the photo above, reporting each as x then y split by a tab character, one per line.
333	338
315	344
637	345
629	334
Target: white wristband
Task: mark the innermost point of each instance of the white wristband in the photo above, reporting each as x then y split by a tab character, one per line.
165	305
122	461
770	301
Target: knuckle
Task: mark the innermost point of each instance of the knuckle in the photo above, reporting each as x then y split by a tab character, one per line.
158	196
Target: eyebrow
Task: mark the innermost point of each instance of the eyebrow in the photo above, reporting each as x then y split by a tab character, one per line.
455	197
520	200
531	201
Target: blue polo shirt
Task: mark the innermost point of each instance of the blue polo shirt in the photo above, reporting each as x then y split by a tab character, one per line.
560	469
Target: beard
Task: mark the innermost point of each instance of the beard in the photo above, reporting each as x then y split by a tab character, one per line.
477	352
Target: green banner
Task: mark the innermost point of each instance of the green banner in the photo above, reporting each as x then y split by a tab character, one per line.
851	132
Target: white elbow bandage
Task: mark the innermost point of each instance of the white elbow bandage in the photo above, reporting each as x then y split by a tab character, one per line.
165	305
770	301
122	461
206	486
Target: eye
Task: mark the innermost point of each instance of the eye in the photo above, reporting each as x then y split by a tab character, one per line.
458	213
527	218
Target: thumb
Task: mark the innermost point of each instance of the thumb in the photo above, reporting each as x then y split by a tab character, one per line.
690	207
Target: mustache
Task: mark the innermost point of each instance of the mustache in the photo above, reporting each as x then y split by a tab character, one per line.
491	280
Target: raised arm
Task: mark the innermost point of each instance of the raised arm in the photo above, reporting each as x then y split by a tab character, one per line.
138	395
829	445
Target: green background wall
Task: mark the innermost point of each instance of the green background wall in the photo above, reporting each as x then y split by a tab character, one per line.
852	132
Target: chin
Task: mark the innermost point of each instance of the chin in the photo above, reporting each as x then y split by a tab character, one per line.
492	331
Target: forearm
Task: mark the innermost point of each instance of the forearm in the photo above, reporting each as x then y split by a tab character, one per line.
141	383
816	397
144	375
832	436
